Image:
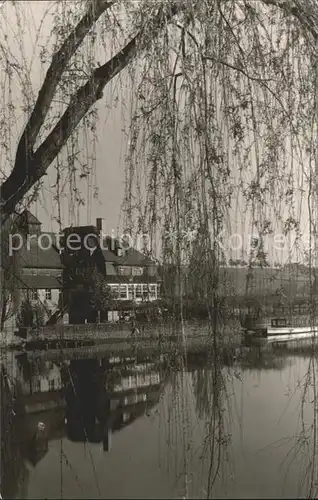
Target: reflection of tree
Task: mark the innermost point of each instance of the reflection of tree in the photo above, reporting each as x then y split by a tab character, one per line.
211	397
210	393
306	438
255	360
199	397
14	474
203	385
6	297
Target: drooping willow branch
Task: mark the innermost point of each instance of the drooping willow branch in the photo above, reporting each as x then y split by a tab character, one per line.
31	165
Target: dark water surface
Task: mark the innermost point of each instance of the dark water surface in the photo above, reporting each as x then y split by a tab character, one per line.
158	428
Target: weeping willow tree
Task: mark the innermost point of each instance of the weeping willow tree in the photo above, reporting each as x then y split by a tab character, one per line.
222	117
221	100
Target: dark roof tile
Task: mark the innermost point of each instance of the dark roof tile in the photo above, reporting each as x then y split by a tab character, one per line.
133	257
109	256
40	281
37	257
130	257
27	217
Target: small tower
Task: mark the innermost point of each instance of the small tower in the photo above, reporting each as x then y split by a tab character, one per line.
29	224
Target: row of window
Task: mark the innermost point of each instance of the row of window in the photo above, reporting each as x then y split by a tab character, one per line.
41	272
122	270
130	271
138	380
132	292
36	385
35	295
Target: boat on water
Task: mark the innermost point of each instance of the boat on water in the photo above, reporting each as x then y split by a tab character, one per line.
262	329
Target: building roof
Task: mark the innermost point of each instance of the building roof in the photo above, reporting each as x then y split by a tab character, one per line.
36	257
109	256
130	257
27	217
39	281
133	257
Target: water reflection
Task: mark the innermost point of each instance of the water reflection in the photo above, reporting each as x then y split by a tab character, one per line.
101	399
210	417
14	473
86	400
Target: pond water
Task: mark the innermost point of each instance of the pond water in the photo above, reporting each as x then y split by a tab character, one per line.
138	428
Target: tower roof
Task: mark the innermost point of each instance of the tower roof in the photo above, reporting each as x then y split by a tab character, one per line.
29	218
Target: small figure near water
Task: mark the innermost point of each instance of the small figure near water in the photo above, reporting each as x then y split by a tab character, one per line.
39	445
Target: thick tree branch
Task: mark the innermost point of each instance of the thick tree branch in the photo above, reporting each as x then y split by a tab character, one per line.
16	186
24	160
57	67
80	103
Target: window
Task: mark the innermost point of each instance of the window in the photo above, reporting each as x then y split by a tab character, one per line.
124	270
137	271
281	322
48	294
34	295
138	292
51	385
115	290
145	292
123	291
131	294
152	291
36	385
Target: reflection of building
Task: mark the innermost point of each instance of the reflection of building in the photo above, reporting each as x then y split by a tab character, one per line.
101	406
39	386
39	406
87	399
137	391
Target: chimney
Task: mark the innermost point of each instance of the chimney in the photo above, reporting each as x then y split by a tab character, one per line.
99	225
